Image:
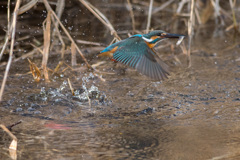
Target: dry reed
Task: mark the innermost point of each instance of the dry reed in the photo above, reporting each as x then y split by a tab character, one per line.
57	32
27	6
59	10
57	68
46	45
163	6
13	31
232	4
70	86
36	73
13	145
132	16
73	55
190	32
149	16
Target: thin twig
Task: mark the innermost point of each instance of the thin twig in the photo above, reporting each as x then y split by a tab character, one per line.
14	21
58	67
88	42
99	76
73	55
149	16
8	18
70	85
190	32
59	36
38	48
89	101
27	6
8	33
180	6
163	6
59	10
198	16
14	124
217	10
132	15
4	46
25	55
232	4
183	48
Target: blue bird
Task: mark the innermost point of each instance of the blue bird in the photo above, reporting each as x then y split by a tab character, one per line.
137	52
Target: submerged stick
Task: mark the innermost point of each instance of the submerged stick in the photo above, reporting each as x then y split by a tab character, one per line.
14	21
14	124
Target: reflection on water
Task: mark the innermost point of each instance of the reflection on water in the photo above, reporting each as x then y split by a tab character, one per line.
192	115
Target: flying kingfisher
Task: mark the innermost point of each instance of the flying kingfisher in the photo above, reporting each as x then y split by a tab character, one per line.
137	52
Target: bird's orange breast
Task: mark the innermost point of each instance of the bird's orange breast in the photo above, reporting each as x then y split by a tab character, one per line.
109	53
151	45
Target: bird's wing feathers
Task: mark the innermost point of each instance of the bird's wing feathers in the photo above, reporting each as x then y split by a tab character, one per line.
135	52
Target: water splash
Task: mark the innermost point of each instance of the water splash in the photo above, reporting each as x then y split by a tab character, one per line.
43	94
89	93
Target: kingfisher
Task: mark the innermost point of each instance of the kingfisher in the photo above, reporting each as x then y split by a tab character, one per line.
137	52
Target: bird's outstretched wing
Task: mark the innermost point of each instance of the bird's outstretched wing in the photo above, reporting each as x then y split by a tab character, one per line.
135	52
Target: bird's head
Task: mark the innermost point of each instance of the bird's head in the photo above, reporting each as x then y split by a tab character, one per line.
158	35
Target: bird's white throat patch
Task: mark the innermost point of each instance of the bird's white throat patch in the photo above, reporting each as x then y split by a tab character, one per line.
147	40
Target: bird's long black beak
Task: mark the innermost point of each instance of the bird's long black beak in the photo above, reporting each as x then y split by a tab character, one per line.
179	36
171	35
